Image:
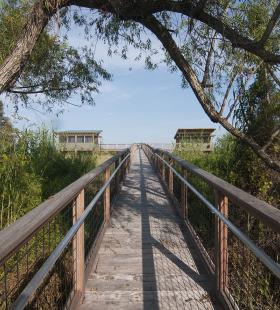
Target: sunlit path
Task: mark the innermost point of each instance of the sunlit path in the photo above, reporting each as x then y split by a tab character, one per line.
145	260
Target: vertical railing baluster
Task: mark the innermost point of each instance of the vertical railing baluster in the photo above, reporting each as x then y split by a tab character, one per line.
107	196
163	167
127	163
170	178
155	160
221	245
184	195
118	175
79	246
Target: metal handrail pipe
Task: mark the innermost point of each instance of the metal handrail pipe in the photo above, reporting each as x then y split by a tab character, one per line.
38	279
258	252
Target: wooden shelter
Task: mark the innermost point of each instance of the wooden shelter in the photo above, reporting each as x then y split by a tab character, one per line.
78	140
199	138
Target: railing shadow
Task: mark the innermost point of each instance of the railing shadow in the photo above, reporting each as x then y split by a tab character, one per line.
187	279
147	256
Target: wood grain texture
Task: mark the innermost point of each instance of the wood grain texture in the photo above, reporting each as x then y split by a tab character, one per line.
146	260
107	195
184	195
221	232
79	244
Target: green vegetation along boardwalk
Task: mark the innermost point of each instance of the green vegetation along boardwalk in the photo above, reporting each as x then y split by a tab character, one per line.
77	250
146	260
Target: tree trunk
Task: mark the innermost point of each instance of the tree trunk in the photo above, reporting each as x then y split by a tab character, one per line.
38	18
166	39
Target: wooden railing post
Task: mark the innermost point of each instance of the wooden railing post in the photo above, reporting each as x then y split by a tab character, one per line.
155	160
117	177
120	172
127	164
78	246
221	250
184	195
107	196
163	168
170	178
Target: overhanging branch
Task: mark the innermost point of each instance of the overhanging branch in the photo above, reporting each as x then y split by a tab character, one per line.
166	39
136	10
40	91
271	24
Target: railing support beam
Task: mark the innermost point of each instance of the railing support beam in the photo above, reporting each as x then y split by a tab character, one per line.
78	246
170	178
163	169
107	206
221	231
184	197
118	175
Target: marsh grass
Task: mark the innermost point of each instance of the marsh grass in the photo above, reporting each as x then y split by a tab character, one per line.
32	170
251	284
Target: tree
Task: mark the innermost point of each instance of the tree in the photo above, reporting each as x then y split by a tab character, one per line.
259	111
258	115
55	71
213	44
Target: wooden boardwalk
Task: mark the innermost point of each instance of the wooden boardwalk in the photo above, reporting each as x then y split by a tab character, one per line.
146	260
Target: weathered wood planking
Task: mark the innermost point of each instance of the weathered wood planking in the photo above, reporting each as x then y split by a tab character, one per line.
146	261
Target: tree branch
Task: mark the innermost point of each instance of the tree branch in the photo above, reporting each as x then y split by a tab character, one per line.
135	10
40	15
234	104
38	18
208	62
236	39
141	11
273	75
233	76
27	87
43	10
39	91
271	24
273	136
166	39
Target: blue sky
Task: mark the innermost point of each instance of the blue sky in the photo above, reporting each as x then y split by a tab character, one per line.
139	105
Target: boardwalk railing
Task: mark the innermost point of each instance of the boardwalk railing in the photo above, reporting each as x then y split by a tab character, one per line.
46	255
237	234
114	147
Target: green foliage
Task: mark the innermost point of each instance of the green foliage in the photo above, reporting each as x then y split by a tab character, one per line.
119	36
19	186
254	177
258	115
55	71
237	164
259	111
31	170
219	162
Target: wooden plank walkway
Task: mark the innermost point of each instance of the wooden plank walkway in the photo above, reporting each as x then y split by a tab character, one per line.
146	261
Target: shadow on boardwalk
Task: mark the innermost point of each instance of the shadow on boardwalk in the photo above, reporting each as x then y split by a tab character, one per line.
146	260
